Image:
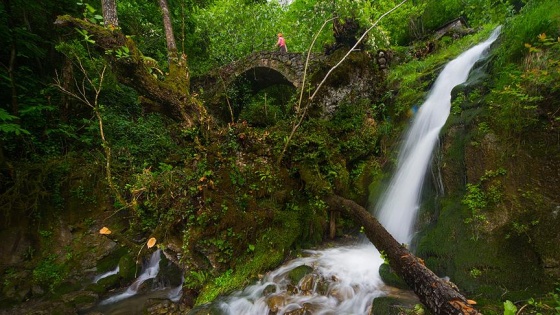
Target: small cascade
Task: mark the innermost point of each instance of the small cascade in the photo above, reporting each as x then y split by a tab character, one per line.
345	279
105	275
176	293
150	271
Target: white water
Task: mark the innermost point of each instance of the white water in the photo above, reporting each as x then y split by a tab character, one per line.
105	275
150	271
352	271
353	267
397	209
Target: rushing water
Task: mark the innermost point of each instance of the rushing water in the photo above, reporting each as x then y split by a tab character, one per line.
105	275
131	301
344	279
397	209
349	275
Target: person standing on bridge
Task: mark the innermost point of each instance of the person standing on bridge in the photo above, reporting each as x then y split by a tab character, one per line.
281	44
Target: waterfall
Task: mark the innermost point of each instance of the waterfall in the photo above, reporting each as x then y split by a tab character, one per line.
397	209
349	274
107	274
149	271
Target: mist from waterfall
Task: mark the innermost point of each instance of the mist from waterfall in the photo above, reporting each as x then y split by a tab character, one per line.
346	279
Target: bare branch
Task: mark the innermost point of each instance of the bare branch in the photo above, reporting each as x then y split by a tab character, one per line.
298	122
352	49
298	108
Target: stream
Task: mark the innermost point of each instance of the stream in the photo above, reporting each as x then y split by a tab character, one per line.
344	279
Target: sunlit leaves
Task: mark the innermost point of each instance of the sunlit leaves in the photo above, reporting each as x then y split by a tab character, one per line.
233	30
151	242
105	231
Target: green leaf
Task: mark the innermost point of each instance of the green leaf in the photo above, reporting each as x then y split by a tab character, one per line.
509	308
13	128
5	116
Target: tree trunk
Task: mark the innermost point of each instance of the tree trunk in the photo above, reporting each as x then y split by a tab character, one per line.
169	37
14	110
178	71
172	94
435	293
109	8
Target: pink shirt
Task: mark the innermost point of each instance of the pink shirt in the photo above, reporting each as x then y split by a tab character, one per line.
281	42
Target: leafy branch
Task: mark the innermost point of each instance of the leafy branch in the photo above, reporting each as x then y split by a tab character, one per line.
300	114
81	94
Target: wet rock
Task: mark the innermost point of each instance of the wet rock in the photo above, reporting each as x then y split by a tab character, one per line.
298	273
207	309
37	290
322	287
80	300
307	283
269	289
292	289
390	278
156	307
276	302
342	292
391	305
299	311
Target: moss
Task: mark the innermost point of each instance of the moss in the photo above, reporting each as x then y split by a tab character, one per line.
387	305
127	267
389	277
67	287
269	252
496	265
297	273
111	261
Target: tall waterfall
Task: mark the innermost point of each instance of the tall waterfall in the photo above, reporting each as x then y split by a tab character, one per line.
348	276
397	209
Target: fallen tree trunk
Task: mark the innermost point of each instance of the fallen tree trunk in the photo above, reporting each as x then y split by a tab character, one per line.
435	293
130	68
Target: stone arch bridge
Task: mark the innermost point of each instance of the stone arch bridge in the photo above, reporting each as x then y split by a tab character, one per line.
261	70
356	78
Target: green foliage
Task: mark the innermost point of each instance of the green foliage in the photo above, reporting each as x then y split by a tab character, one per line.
49	273
6	127
516	109
536	17
413	78
136	143
550	304
524	97
230	30
267	107
509	308
89	13
479	197
401	26
477	12
121	53
143	21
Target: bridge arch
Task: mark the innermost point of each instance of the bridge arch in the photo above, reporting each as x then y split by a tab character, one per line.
265	67
260	77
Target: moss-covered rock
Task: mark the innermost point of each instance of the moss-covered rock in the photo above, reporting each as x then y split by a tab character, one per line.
390	278
388	305
296	274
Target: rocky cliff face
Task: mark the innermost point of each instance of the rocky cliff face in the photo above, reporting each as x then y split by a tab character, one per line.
497	228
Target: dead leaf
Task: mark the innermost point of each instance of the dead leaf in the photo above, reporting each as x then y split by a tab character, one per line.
105	231
471	302
151	242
